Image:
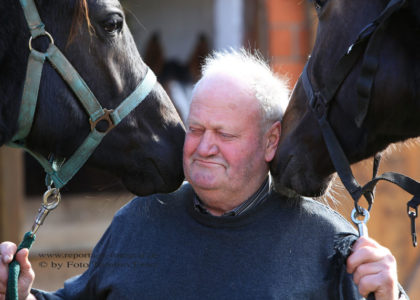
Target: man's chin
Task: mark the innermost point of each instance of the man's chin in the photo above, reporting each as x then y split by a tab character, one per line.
206	186
199	182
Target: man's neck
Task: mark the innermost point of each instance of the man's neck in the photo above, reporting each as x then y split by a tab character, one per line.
225	207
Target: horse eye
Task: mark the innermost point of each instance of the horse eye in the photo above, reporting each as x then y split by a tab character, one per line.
113	25
319	4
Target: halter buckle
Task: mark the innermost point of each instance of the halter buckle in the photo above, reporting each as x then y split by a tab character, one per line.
105	117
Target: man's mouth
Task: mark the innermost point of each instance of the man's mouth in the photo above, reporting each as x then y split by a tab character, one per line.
207	163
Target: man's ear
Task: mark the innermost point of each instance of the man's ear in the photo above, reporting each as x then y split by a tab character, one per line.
272	141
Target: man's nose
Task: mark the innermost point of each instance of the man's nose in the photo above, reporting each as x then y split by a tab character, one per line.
208	145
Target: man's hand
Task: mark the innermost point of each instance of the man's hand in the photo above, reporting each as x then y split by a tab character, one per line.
374	269
27	275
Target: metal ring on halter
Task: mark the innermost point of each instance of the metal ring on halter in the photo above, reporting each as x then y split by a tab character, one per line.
106	117
51	192
45	33
355	214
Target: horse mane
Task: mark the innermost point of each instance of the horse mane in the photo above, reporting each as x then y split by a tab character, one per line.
81	14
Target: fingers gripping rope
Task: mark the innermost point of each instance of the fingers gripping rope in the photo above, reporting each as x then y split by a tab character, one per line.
50	201
14	268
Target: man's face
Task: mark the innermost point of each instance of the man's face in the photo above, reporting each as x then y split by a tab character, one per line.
223	150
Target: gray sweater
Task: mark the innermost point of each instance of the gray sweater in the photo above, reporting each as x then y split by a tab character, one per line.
159	247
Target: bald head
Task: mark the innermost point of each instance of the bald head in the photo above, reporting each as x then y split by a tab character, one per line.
253	72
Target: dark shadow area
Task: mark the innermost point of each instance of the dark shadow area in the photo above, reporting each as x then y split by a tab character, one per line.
87	180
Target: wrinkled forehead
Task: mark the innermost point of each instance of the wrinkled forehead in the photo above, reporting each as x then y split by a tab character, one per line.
224	85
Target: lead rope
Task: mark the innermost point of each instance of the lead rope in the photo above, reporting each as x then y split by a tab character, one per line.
50	201
14	268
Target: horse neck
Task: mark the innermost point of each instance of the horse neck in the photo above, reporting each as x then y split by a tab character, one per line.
13	59
400	93
14	55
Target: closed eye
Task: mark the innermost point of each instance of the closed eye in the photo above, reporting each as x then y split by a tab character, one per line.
195	130
226	136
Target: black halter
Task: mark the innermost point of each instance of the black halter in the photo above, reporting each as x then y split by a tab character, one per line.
368	45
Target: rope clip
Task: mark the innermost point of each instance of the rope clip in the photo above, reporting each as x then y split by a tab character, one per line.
412	211
50	201
360	223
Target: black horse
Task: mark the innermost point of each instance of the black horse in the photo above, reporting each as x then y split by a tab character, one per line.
145	149
302	163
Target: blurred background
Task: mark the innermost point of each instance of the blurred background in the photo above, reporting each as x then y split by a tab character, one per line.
173	36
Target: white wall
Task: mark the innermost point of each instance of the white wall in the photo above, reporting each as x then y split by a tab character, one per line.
179	23
228	24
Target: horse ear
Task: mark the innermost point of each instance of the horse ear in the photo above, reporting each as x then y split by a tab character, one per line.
201	50
153	56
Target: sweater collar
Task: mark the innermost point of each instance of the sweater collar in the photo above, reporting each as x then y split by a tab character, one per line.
256	199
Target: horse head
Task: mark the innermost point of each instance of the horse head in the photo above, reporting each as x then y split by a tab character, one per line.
302	163
145	149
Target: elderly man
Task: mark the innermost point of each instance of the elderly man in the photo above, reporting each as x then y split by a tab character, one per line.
225	234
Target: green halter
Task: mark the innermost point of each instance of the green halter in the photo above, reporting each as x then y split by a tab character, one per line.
60	175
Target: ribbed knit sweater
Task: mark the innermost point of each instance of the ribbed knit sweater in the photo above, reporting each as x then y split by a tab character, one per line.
160	247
